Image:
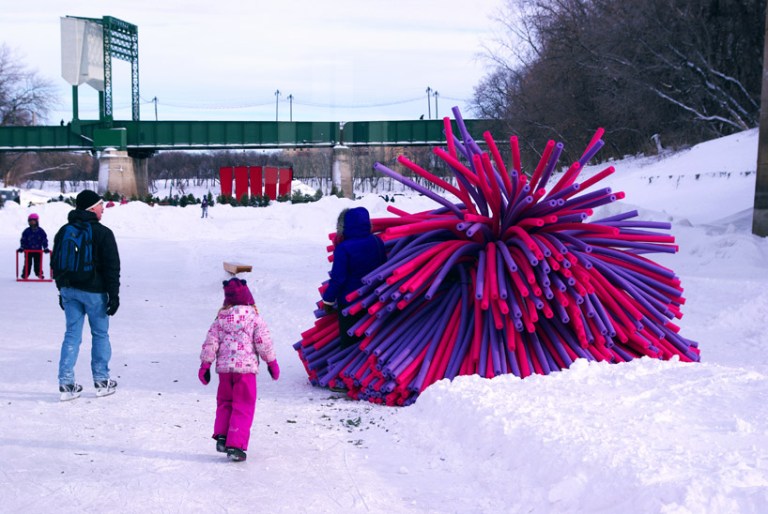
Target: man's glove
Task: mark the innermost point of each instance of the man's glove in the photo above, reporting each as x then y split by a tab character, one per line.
20	250
112	305
61	303
46	251
274	369
204	373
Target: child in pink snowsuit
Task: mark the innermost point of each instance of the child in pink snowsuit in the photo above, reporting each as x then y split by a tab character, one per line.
237	339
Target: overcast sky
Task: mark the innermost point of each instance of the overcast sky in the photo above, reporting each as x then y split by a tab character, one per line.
224	59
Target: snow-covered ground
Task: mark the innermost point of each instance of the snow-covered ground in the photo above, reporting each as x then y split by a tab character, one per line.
647	436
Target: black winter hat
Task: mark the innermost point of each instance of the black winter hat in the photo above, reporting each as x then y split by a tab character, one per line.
86	199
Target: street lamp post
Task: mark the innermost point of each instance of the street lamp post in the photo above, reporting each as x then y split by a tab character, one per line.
277	96
436	94
429	105
290	107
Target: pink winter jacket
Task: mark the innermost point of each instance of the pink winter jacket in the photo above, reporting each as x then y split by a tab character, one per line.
236	340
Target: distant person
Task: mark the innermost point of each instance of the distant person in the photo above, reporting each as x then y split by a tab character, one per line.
33	238
237	340
358	252
204	207
94	293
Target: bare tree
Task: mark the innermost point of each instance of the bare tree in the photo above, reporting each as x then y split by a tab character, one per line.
685	69
25	97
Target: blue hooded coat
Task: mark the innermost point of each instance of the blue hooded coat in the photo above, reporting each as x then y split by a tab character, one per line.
34	239
357	255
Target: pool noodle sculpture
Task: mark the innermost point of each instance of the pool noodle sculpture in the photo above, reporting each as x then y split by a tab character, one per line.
512	279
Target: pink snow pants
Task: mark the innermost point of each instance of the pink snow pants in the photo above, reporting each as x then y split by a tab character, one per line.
235	406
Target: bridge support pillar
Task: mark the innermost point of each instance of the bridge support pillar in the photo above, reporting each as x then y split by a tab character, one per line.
117	173
141	167
342	171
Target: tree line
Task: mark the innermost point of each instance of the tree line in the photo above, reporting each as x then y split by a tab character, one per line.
653	73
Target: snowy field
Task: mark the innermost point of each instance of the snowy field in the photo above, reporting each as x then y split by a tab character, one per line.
643	437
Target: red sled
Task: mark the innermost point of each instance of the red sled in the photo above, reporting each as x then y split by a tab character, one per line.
25	277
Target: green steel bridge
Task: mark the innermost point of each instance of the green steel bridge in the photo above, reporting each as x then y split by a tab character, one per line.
142	139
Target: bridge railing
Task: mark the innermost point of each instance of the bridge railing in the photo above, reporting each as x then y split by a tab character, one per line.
183	135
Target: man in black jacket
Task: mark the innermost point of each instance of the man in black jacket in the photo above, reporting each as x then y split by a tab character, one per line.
97	297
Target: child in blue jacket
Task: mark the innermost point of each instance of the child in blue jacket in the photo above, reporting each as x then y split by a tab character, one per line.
33	238
357	253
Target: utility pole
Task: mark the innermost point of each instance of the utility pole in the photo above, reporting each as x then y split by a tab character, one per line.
760	212
436	94
277	96
429	105
155	102
290	107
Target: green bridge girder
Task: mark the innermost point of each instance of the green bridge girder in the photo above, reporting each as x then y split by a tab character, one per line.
147	137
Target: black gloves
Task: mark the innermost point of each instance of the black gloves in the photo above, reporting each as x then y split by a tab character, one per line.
20	250
61	304
112	305
46	251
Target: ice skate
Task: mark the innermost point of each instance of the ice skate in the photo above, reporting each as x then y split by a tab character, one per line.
105	387
70	392
221	443
236	454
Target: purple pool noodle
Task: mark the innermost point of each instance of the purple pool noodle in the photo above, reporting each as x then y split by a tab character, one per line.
595	315
526	251
345	356
557	282
464	335
517	208
541	275
663	225
439	320
464	132
653	267
641	298
586	197
557	244
501	279
485	344
449	263
591	152
651	247
558	149
543	248
417	187
506	256
480	282
495	344
618	217
542	208
572	218
566	191
578	244
536	346
521	195
513	366
598	202
650	286
600	310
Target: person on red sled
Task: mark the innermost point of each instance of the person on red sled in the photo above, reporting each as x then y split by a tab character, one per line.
33	238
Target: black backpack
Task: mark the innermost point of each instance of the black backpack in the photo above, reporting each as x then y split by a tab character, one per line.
72	258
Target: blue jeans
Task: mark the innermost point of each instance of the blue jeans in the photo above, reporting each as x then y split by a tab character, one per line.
77	304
